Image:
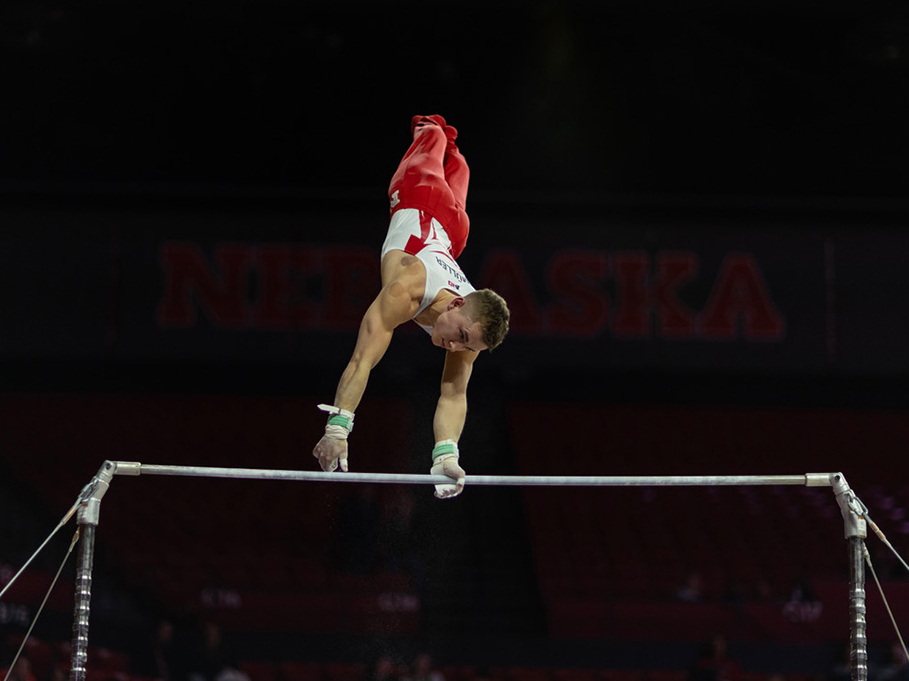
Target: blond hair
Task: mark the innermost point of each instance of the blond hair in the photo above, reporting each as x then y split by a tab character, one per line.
491	310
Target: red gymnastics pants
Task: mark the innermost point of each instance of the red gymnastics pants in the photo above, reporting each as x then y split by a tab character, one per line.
433	177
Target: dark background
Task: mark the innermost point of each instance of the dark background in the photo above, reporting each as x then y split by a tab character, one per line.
685	98
773	129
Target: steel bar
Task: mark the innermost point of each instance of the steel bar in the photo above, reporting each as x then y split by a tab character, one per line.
133	468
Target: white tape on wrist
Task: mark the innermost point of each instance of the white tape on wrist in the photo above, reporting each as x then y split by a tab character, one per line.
339	418
336	432
444	450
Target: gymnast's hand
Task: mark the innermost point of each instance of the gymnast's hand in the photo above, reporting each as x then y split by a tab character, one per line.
330	451
448	465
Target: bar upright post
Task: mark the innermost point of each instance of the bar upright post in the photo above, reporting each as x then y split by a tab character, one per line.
87	519
856	530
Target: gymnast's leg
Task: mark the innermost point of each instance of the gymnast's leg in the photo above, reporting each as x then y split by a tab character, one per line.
457	174
424	163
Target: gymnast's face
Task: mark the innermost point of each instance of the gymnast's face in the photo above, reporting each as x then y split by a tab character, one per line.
455	331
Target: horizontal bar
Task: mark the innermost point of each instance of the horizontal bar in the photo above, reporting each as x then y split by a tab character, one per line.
132	468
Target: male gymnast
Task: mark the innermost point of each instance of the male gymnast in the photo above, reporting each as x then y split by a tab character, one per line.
422	281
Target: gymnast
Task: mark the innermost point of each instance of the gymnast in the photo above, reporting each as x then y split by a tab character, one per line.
421	281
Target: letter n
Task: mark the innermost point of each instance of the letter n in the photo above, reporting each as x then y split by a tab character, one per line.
189	281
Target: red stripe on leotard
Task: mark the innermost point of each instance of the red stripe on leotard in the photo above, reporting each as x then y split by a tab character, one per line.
415	245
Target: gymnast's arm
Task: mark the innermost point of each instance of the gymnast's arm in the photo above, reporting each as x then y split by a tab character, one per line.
386	312
448	422
451	409
393	306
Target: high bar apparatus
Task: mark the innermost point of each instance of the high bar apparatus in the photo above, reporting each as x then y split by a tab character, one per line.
851	507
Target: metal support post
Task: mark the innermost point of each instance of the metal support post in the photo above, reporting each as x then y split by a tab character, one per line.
856	531
87	519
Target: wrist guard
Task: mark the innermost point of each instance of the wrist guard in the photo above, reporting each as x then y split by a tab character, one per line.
340	422
444	450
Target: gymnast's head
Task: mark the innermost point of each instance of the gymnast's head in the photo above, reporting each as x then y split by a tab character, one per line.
475	322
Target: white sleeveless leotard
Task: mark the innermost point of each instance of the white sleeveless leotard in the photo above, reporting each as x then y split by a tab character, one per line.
418	233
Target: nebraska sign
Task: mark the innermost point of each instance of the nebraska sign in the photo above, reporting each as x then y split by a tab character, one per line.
577	294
